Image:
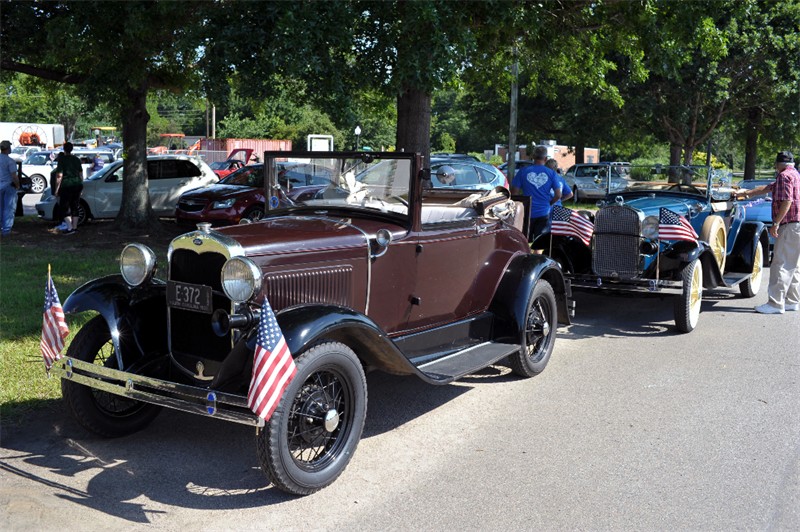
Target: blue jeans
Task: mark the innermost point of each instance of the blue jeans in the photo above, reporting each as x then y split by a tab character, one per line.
8	206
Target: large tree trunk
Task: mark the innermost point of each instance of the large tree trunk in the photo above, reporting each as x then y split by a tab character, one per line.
580	153
752	130
688	154
675	152
135	212
414	122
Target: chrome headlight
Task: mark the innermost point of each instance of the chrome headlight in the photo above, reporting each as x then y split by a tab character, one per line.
223	204
241	279
137	263
650	227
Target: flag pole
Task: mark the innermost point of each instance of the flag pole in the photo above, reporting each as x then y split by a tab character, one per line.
46	367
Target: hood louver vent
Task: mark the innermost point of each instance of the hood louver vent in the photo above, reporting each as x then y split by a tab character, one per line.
332	286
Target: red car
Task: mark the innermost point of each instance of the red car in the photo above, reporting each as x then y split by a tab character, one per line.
240	195
238	158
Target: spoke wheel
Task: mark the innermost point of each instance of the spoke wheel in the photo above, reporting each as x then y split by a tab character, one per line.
315	430
38	184
254	214
687	305
750	286
539	333
103	413
83	212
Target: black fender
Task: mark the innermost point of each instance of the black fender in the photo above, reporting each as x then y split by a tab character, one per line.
743	252
570	252
677	255
136	316
303	326
510	301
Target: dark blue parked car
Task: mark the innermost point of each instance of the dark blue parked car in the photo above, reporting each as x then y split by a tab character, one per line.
673	231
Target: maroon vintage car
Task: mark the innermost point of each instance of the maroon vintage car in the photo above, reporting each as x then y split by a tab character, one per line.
374	271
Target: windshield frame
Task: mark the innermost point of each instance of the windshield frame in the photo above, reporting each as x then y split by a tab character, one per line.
393	194
706	182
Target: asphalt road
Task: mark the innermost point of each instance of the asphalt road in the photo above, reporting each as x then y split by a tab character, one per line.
631	426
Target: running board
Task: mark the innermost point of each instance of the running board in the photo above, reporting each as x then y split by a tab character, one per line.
734	279
454	366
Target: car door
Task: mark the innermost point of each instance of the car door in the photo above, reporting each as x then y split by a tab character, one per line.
447	253
104	196
169	178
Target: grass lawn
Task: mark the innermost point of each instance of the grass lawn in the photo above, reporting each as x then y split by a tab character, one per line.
75	259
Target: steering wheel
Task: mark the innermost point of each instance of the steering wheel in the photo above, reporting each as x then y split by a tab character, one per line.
401	200
681	187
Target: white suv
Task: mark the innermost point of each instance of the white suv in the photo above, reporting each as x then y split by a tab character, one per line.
40	164
168	176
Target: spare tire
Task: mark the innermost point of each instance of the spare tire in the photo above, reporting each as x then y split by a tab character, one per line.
715	234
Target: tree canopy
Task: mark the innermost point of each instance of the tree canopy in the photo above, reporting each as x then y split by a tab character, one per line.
621	74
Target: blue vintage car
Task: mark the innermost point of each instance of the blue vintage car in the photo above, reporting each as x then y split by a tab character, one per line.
674	231
759	209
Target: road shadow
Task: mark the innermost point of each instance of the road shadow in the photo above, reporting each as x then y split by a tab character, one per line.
612	315
181	459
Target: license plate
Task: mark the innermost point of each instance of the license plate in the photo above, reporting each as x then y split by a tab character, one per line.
194	297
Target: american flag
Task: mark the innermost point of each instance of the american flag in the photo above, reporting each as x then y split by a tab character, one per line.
54	327
273	366
673	226
567	222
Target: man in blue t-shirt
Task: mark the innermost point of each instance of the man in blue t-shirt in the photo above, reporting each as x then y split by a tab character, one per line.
544	188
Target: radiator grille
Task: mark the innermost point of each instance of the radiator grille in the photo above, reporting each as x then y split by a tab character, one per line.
191	205
191	332
318	285
616	242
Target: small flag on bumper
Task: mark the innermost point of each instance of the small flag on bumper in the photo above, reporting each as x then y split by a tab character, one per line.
54	326
273	366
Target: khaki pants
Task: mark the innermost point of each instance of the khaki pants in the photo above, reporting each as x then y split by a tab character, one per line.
784	273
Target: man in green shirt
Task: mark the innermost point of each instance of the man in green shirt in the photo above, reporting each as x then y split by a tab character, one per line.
69	184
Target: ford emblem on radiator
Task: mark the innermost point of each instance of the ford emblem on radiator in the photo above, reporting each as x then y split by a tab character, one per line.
197	242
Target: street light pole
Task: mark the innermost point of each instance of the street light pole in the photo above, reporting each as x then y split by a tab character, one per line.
358	134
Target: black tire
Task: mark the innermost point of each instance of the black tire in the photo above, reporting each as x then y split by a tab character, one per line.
38	184
254	214
687	305
539	335
101	412
297	451
83	212
576	198
751	286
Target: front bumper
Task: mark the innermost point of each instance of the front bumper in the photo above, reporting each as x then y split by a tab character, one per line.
45	208
216	217
633	286
202	401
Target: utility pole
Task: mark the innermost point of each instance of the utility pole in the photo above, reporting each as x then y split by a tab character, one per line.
512	126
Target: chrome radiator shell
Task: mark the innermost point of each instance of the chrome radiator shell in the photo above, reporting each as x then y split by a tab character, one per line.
617	242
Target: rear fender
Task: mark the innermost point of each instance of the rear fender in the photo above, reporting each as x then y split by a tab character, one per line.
510	303
744	249
136	316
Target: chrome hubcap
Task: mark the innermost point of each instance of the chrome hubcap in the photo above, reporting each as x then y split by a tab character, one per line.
331	420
